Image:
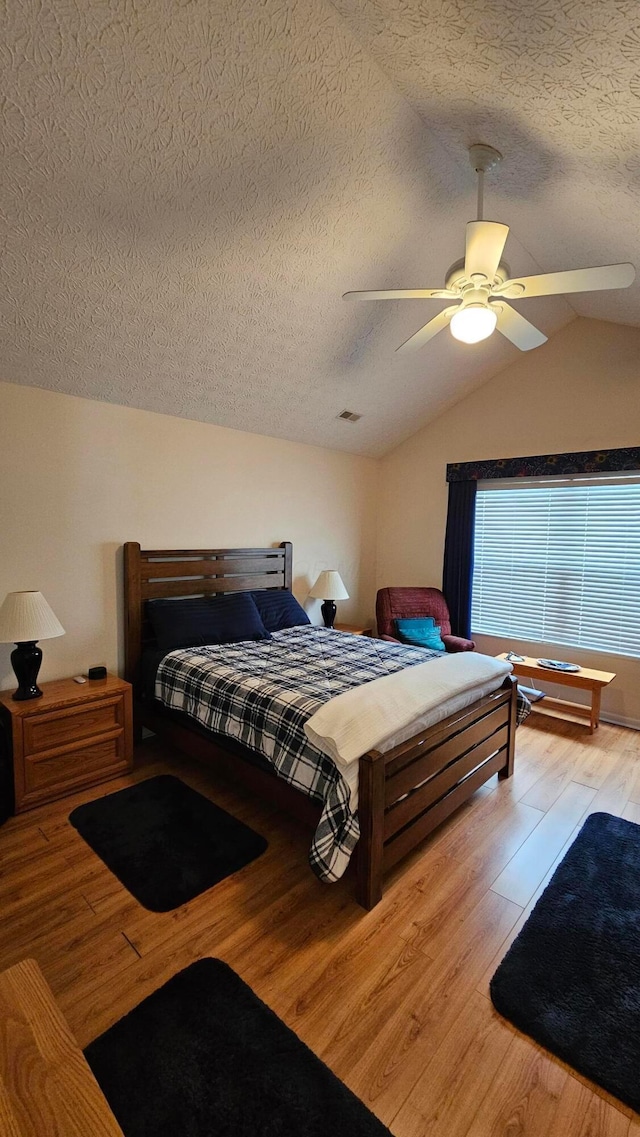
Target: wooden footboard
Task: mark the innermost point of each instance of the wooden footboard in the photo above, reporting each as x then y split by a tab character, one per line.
408	791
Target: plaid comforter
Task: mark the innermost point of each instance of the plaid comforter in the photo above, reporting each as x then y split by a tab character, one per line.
262	693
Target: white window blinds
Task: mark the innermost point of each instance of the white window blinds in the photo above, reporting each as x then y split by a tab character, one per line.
559	563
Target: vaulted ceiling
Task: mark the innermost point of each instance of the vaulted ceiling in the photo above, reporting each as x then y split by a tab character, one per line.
189	186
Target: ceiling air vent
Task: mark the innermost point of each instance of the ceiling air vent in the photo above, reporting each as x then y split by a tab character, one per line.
349	416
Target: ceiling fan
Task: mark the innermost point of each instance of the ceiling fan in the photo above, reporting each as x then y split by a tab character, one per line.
480	283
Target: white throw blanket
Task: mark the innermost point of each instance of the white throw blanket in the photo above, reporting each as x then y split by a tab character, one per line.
363	718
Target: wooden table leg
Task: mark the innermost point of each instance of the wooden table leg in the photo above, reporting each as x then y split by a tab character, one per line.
595	707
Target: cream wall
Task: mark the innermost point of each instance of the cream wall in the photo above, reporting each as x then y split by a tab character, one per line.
580	391
78	478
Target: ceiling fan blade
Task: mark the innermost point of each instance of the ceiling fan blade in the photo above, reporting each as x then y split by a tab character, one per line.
485	245
423	335
514	327
403	294
573	280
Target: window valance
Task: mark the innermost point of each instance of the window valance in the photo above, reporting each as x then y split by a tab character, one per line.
541	465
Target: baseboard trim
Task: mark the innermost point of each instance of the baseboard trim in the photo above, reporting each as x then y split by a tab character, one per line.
620	720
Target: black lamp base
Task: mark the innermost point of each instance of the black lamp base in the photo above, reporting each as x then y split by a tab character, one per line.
25	660
328	610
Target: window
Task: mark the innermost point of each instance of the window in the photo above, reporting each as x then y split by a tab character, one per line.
558	561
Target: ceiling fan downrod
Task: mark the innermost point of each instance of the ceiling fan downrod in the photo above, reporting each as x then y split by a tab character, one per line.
483	158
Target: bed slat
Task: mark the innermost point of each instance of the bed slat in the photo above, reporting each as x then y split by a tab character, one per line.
406	752
209	585
408	838
417	771
214	566
443	781
184	554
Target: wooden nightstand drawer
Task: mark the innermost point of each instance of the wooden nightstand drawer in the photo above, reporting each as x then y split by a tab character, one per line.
56	728
72	768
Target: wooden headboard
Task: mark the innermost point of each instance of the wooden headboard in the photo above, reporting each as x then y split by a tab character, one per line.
150	574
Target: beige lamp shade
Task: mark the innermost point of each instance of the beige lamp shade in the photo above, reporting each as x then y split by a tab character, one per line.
26	616
329	586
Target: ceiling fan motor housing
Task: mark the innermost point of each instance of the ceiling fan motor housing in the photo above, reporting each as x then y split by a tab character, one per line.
457	281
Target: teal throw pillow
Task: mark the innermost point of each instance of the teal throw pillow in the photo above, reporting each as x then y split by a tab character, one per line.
420	632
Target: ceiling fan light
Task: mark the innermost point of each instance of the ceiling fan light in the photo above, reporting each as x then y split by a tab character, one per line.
473	323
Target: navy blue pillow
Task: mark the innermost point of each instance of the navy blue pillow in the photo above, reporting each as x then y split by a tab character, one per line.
200	620
279	609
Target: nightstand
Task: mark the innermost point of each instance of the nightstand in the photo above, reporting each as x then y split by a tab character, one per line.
74	736
354	629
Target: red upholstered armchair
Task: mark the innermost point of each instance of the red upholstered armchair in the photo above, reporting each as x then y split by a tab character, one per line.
408	603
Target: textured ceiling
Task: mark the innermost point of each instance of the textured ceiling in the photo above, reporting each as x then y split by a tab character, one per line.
188	186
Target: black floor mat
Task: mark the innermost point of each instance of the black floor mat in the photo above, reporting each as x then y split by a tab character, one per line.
165	842
571	980
203	1056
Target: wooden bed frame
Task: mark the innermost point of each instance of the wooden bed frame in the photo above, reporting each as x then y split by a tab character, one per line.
403	794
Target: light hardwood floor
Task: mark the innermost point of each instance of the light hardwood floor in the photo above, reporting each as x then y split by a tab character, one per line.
395	1000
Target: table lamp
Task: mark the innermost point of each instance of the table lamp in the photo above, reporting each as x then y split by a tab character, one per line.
329	587
24	618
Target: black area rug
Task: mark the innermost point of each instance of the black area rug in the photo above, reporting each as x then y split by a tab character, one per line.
204	1057
165	842
571	979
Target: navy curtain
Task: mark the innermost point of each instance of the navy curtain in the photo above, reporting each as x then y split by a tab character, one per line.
457	573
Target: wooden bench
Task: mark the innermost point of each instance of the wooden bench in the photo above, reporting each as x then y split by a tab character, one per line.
586	679
46	1086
